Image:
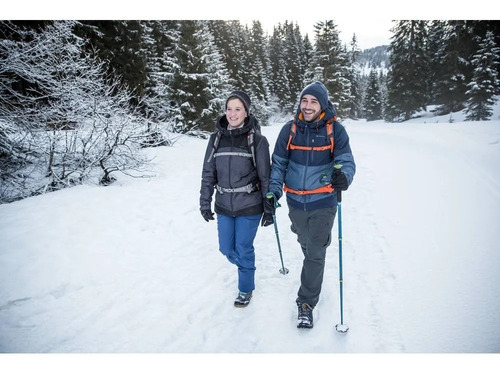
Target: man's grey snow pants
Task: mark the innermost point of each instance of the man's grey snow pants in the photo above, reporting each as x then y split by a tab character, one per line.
314	233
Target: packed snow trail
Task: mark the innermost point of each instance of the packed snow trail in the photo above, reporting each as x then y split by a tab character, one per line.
432	214
133	267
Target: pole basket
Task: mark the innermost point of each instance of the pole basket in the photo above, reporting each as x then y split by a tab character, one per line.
342	328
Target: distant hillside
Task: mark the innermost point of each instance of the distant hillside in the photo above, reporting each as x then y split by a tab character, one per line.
374	58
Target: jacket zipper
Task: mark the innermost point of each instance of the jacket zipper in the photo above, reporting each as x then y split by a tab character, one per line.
308	144
230	179
310	157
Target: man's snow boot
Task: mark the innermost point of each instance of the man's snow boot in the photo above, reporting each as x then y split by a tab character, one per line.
305	319
243	299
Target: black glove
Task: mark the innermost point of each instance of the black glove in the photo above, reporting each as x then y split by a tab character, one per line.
267	219
340	182
207	215
269	204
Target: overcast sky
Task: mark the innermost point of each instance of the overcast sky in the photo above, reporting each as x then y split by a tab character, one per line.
369	34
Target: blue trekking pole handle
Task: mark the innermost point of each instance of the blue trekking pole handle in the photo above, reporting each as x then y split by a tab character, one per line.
337	171
340	327
271	195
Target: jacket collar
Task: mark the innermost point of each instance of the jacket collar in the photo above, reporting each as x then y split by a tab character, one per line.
318	122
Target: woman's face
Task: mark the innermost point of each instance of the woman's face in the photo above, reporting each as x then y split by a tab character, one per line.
235	113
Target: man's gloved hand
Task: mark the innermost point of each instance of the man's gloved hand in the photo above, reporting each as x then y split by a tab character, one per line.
340	182
269	204
207	215
267	219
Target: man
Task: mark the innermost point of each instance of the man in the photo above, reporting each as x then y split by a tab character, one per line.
303	161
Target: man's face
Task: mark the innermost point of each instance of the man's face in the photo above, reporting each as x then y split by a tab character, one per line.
310	107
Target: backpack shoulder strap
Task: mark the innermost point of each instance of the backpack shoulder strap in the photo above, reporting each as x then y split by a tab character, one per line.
218	135
251	144
329	133
291	137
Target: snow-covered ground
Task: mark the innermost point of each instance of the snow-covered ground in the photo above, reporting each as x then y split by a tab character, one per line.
133	267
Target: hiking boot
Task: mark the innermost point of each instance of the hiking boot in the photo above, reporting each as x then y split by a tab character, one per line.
305	319
243	299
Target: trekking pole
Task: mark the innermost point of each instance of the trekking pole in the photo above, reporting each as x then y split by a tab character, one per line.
271	195
340	327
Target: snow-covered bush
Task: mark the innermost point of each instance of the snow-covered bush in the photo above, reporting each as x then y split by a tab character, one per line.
62	116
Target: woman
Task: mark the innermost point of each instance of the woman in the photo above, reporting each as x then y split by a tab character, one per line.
237	166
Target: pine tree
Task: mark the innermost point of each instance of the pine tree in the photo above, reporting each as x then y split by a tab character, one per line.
307	60
159	39
305	52
451	71
373	98
244	50
217	77
355	97
119	43
485	82
229	46
236	54
293	67
435	48
279	86
245	59
409	74
199	82
330	65
258	87
480	28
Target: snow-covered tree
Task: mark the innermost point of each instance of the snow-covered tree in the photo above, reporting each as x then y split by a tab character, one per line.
330	65
159	38
485	82
308	53
279	79
354	77
258	86
408	85
450	41
373	98
228	45
120	44
200	78
68	114
217	77
294	66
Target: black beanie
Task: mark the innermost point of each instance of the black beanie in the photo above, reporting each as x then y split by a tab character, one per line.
319	91
243	97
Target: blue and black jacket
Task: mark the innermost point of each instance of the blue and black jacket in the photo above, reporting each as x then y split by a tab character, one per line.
305	170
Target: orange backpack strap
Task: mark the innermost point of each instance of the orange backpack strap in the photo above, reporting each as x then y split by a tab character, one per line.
329	133
293	131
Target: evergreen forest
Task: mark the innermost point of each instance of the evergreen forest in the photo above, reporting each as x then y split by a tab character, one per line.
80	99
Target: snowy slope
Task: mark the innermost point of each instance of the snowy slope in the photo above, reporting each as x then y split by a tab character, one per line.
134	268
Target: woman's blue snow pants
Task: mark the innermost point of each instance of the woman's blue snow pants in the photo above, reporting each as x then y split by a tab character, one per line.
236	236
